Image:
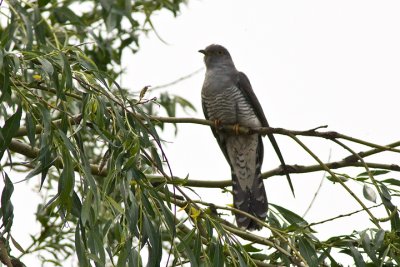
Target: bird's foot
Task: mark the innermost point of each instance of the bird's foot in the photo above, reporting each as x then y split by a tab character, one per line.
217	124
236	128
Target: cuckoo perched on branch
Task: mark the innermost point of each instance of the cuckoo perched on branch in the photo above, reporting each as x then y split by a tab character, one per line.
228	98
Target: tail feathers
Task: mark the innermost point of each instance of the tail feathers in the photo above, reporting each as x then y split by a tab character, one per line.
251	200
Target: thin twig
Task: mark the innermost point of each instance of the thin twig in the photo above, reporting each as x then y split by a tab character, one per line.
373	218
340	216
318	189
177	80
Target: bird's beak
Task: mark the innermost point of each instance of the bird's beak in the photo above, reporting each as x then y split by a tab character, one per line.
202	51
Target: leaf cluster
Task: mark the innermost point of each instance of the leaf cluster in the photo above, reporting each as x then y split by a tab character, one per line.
109	195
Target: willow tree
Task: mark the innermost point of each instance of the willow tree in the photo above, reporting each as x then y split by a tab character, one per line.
110	198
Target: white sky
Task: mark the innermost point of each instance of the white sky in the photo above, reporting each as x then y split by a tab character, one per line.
311	63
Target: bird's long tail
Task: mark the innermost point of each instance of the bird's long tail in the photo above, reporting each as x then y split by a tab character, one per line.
250	196
251	200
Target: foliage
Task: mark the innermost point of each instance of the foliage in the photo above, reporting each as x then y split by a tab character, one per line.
109	196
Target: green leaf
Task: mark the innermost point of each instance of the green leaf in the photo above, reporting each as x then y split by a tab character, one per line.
42	3
369	193
327	254
391	181
66	183
379	237
184	103
358	259
115	205
342	178
5	80
76	205
17	245
368	248
259	256
67	74
185	245
86	207
217	256
385	253
250	248
242	262
155	249
290	216
308	252
7	208
9	129
46	65
80	250
373	172
31	128
64	14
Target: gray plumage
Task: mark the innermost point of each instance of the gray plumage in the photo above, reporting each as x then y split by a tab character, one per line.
227	97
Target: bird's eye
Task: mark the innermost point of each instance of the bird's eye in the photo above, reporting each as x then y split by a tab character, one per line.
220	53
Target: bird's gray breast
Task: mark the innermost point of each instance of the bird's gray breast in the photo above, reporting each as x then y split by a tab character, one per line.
224	101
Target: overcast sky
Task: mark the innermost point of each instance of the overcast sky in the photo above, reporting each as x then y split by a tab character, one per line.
310	63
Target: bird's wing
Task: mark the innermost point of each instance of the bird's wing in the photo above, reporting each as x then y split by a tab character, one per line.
245	86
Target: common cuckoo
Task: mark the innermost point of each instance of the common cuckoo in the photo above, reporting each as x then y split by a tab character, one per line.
228	98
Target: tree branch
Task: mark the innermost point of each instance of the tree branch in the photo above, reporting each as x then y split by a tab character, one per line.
28	151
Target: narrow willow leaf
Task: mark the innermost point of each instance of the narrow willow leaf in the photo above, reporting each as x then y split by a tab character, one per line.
80	250
373	172
9	129
217	256
369	193
250	248
67	73
39	26
17	245
46	65
392	181
155	248
186	246
308	252
184	103
86	207
385	192
290	216
68	144
197	247
5	81
67	181
368	248
379	237
28	24
115	205
384	255
358	259
386	200
333	261
7	208
64	14
42	3
168	216
242	262
146	203
76	205
31	128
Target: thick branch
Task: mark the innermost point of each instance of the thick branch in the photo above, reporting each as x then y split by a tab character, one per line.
243	130
28	151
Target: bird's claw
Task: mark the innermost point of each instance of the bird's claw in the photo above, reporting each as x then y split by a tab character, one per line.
217	124
236	128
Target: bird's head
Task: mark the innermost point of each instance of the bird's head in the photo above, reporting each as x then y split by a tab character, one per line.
216	55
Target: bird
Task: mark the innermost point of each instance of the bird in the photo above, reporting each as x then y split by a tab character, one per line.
228	99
